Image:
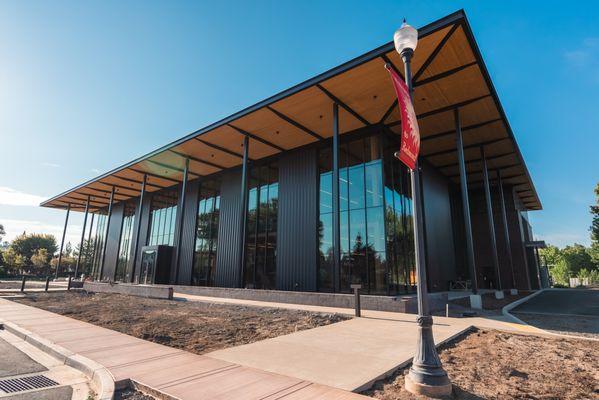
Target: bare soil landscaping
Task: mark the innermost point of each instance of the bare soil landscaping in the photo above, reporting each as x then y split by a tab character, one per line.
192	326
487	364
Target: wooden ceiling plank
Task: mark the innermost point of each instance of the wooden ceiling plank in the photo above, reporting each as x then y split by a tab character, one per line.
445	74
256	138
197	159
433	55
216	147
294	123
343	105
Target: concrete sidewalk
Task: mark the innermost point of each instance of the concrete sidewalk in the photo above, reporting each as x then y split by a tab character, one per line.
349	355
173	372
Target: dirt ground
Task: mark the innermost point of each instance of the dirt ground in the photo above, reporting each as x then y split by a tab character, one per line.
486	364
192	326
131	394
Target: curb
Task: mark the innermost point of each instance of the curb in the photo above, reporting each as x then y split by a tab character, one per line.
506	309
99	376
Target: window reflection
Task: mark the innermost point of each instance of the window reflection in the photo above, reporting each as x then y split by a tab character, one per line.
125	243
163	213
204	260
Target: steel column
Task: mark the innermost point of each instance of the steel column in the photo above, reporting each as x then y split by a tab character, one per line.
82	237
336	215
489	203
140	208
538	267
180	221
243	211
64	232
105	244
89	237
465	203
506	232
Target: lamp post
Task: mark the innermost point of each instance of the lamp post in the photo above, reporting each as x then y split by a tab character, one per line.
427	376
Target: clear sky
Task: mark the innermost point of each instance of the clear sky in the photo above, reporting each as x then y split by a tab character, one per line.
86	86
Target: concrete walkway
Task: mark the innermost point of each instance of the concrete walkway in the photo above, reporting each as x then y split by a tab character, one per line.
174	372
349	355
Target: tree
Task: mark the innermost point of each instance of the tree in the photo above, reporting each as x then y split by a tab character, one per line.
595	214
40	259
2	232
560	273
14	260
577	257
26	245
551	254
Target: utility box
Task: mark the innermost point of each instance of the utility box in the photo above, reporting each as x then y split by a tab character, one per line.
155	264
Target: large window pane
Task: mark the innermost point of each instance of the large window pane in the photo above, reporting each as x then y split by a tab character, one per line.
207	221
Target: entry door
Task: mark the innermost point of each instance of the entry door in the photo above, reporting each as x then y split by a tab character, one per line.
148	266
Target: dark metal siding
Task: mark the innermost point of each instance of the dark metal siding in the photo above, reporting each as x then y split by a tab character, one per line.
228	259
189	230
439	232
114	237
298	210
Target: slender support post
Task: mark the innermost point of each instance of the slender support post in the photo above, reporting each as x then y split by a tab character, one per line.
23	283
106	233
82	238
64	233
89	238
465	203
47	283
140	208
181	220
69	283
356	288
336	214
538	267
493	237
426	375
506	232
244	206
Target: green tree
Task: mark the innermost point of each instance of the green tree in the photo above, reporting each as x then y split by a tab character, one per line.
577	257
14	260
560	273
2	232
40	259
26	245
595	214
551	254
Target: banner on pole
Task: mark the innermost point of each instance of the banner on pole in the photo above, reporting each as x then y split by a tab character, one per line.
410	134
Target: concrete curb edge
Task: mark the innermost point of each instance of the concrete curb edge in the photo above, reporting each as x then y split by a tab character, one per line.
101	378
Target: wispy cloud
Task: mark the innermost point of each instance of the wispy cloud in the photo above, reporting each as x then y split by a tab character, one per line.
585	57
15	227
95	170
12	197
51	165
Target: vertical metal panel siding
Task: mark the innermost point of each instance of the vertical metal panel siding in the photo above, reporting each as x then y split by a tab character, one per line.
114	237
189	230
229	231
144	220
297	226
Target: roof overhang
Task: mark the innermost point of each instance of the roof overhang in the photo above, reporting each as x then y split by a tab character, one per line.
449	73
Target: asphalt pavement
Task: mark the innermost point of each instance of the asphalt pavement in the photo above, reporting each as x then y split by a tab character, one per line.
563	301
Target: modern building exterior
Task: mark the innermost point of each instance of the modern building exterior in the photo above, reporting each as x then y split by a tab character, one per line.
302	192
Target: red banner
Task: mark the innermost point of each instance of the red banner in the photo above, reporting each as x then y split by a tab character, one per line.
410	134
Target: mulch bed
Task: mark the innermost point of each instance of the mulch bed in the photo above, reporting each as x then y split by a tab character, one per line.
192	326
487	364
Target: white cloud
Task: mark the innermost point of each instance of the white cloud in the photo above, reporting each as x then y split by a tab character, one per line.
95	170
12	197
51	165
585	57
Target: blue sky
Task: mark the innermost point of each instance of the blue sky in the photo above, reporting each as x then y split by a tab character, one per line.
87	86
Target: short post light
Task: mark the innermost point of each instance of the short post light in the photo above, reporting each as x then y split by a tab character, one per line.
427	376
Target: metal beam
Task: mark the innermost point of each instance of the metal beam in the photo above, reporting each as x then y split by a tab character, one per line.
336	215
465	204
455	164
89	237
488	159
387	60
470	146
64	232
257	138
106	234
343	105
506	231
155	176
219	148
138	182
505	177
82	238
163	165
445	74
435	52
140	207
136	191
294	123
180	221
244	206
491	221
187	156
464	129
388	112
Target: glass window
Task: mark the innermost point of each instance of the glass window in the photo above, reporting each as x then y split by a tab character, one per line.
261	234
207	220
120	274
163	213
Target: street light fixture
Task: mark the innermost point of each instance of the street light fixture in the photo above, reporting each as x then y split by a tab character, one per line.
427	376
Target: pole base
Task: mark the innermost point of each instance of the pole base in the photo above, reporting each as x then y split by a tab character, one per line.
513	292
499	294
436	392
476	302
